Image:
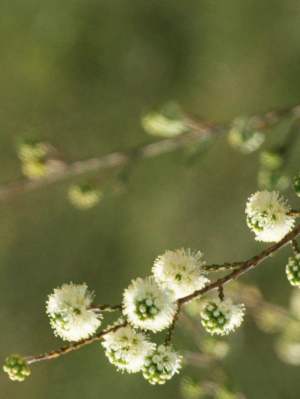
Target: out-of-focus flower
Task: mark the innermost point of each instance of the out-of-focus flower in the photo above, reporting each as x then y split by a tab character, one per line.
242	137
84	196
169	122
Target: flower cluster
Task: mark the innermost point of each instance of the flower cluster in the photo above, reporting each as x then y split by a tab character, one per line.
293	270
268	216
16	367
71	315
127	349
161	365
222	317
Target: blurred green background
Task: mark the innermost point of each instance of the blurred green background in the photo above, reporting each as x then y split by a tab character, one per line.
80	73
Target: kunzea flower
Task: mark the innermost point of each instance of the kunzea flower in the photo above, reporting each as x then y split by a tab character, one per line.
222	317
181	271
148	306
293	270
161	365
71	315
127	349
16	367
268	216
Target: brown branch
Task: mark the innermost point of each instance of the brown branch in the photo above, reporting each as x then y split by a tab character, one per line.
199	130
246	266
73	347
107	308
224	266
107	162
172	326
294	213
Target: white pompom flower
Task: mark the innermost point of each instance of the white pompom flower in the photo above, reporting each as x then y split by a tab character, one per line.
162	365
70	312
222	317
267	216
181	271
148	306
127	349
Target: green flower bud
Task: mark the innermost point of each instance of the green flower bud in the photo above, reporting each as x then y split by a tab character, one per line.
169	122
293	270
296	183
271	160
271	180
84	196
16	367
222	317
32	150
191	389
161	365
242	137
288	344
215	347
35	169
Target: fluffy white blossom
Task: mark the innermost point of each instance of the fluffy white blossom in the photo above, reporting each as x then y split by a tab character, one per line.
161	365
147	305
127	349
222	317
267	216
181	271
70	313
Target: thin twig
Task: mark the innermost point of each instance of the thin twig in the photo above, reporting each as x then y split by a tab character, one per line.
107	162
107	308
199	131
294	213
224	266
73	347
246	266
221	293
172	326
